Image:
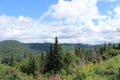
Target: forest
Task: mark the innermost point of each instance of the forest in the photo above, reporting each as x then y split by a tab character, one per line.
57	62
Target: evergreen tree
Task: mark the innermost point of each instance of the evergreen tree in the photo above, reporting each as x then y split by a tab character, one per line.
101	51
33	66
55	59
42	57
56	46
60	58
50	58
76	51
69	58
105	47
42	61
85	56
25	56
12	61
119	46
24	65
114	46
82	55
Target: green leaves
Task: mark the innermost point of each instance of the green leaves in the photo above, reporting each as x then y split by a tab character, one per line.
9	73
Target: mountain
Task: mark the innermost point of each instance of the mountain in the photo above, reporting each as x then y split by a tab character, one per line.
39	46
9	47
70	46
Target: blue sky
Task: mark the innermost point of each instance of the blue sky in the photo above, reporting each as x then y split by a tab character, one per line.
36	8
30	8
76	21
104	6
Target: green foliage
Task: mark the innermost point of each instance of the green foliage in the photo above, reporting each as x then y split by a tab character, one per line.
67	77
8	73
71	61
33	66
30	66
9	47
82	54
107	70
81	76
63	64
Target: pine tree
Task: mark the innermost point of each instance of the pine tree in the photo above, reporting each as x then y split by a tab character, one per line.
69	58
104	47
24	65
101	51
114	46
82	55
60	58
55	59
42	61
42	57
25	56
33	66
12	61
119	46
50	58
76	51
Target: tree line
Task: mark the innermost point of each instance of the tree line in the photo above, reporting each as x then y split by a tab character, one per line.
58	61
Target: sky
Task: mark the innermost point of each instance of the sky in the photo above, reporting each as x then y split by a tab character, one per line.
73	21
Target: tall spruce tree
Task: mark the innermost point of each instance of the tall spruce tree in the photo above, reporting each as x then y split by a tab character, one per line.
50	58
11	61
33	66
42	61
77	52
55	59
119	46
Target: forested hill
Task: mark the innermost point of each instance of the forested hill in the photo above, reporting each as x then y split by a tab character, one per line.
70	46
9	47
17	47
100	64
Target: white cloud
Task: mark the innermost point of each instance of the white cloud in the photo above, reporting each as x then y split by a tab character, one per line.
117	12
72	21
74	12
112	0
108	0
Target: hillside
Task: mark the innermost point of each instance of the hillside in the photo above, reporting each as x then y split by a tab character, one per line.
70	46
13	46
9	47
10	73
106	70
101	64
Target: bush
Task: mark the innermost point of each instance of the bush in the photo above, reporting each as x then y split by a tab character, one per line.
8	73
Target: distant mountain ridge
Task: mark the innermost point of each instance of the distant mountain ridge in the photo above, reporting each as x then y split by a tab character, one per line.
9	47
71	46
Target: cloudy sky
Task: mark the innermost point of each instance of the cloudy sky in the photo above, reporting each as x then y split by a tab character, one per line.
73	21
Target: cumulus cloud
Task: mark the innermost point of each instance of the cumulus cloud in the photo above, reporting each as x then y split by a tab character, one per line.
108	0
75	21
74	12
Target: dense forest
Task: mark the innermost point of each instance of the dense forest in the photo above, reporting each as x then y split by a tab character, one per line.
58	62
